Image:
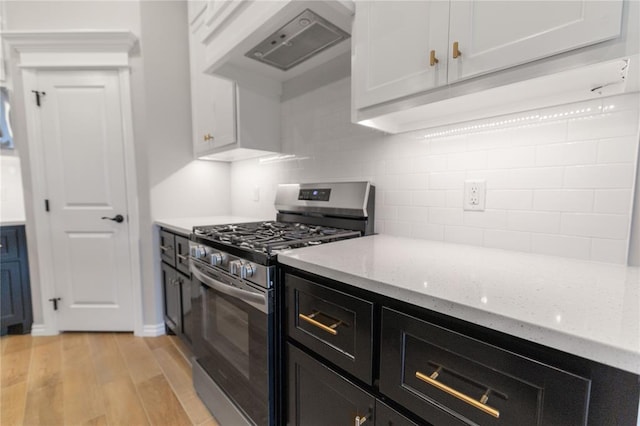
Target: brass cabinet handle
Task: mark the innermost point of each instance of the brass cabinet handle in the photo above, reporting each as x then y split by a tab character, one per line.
328	328
165	248
208	137
360	420
480	405
432	58
456	51
182	257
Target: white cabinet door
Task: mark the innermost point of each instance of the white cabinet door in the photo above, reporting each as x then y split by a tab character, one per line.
195	9
213	101
392	42
494	35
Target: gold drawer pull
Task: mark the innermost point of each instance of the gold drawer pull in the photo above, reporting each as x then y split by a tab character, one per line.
182	258
360	420
165	248
456	50
432	58
480	405
328	328
207	137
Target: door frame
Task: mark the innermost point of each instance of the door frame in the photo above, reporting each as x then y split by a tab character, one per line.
76	51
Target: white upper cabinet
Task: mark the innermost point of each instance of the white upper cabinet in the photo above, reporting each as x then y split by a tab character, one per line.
493	35
393	41
228	122
213	102
403	49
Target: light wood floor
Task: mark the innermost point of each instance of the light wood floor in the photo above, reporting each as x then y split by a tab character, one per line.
97	379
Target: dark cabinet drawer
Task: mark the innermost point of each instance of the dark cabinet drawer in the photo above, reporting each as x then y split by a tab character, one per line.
438	373
387	416
182	254
10	243
335	325
167	247
319	396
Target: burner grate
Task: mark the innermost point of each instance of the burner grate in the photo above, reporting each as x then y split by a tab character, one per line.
271	237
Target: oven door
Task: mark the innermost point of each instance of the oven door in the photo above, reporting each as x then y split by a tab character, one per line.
233	339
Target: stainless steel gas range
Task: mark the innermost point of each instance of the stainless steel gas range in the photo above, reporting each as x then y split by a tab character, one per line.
235	267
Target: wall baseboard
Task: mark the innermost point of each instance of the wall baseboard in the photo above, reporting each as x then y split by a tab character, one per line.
153	330
42	330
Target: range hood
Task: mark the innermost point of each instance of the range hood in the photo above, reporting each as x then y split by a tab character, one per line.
303	37
286	41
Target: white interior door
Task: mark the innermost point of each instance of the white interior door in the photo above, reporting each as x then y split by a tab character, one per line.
82	139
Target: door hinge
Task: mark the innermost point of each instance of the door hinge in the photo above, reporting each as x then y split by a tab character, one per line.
46	205
38	94
55	303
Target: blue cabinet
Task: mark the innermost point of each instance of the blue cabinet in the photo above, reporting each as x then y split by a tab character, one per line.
15	291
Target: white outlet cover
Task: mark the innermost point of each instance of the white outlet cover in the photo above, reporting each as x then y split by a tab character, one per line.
475	195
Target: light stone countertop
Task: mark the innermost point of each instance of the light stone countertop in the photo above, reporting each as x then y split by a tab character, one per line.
184	225
12	222
585	308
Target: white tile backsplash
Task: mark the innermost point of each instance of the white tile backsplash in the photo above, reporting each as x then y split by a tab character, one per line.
560	186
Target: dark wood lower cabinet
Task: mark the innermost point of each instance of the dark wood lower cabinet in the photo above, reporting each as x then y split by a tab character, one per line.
432	369
15	290
320	397
176	284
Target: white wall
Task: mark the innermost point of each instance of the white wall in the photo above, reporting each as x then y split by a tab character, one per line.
562	186
11	195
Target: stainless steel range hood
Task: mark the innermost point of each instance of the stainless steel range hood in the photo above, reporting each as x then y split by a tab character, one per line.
303	37
288	45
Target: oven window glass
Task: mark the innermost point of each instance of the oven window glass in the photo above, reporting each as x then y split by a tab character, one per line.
227	329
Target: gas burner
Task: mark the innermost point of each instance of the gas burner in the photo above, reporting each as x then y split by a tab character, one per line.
271	237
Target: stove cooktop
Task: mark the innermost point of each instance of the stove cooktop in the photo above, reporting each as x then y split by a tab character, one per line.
270	237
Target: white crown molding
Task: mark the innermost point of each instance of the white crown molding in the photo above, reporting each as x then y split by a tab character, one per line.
72	49
71	41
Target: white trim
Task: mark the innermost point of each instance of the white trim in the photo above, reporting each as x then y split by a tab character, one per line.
78	50
153	330
87	41
42	330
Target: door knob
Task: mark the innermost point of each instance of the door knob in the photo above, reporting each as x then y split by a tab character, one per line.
117	218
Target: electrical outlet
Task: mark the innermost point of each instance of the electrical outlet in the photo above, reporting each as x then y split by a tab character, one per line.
474	195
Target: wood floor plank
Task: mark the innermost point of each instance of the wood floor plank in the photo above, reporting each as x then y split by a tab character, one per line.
196	410
44	406
97	421
83	398
158	342
46	363
15	343
15	367
108	360
161	404
14	399
178	378
122	404
140	361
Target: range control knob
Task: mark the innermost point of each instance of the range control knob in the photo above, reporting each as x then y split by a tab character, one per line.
248	270
216	258
235	267
198	252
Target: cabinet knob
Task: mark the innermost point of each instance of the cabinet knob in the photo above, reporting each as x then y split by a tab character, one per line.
456	51
432	58
208	137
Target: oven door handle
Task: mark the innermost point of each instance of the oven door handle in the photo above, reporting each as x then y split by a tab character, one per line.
258	301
